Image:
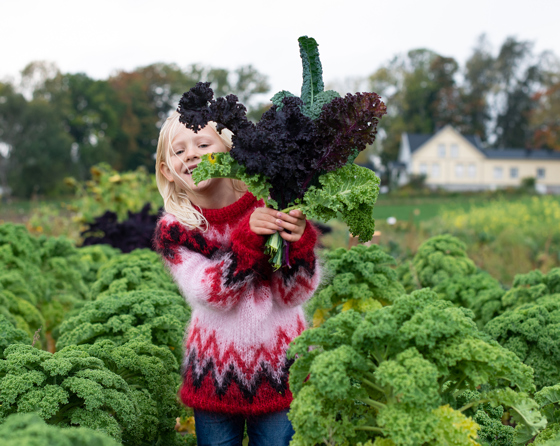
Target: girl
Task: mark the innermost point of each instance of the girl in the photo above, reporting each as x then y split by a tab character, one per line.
244	315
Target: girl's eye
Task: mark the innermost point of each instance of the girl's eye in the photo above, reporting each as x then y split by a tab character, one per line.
178	152
203	146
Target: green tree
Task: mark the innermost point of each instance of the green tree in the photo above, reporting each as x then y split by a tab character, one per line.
38	147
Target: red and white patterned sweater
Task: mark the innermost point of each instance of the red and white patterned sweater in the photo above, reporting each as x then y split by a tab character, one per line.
243	315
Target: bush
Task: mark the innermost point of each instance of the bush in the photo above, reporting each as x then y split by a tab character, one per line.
31	430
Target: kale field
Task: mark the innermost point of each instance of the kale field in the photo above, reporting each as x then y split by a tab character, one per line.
447	333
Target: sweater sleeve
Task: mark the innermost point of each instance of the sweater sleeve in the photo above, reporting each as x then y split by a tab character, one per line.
204	271
293	286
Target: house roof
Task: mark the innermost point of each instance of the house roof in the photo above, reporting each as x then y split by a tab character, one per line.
416	140
536	154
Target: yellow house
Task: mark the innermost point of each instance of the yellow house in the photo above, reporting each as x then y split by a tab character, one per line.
453	161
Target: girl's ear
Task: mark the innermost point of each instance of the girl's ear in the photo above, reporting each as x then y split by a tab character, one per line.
166	172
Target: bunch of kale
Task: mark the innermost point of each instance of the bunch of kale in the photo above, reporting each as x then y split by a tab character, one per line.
297	139
300	154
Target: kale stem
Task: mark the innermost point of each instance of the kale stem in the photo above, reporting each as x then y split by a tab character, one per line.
373	386
291	208
369	428
375	404
471	404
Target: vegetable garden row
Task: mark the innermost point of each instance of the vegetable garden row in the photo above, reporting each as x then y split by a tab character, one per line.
430	352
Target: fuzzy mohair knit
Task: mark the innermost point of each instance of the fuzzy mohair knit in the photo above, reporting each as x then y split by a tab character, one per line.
244	315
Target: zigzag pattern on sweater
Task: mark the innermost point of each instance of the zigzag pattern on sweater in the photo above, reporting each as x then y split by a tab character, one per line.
265	373
267	364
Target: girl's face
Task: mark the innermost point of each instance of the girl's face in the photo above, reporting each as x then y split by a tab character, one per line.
185	154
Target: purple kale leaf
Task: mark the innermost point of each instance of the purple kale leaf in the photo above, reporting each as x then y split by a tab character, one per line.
346	126
282	147
136	232
197	107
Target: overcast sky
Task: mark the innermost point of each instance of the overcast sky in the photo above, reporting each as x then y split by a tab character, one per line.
355	36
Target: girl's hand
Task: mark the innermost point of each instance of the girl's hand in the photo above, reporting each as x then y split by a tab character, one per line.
266	221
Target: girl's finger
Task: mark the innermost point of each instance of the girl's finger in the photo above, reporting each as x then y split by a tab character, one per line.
290	237
297	213
289	226
289	218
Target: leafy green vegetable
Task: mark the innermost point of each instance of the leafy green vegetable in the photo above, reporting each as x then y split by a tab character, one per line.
141	269
529	287
9	335
479	292
65	388
312	70
440	258
152	373
31	430
531	332
360	279
156	316
349	193
222	165
390	373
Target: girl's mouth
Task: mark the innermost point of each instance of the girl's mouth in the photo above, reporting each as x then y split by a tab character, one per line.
190	169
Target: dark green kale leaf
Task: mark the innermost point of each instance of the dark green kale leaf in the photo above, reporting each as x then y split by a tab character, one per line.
395	372
532	332
28	429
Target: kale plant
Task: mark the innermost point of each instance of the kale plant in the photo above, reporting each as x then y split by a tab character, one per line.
532	332
479	292
395	373
142	269
360	278
155	316
136	232
548	399
9	335
28	429
67	388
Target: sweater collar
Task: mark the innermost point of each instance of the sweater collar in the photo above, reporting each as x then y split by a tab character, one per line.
231	213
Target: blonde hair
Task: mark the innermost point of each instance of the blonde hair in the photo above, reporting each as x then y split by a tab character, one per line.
175	198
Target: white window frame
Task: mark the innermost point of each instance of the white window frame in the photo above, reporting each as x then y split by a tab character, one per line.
423	169
454	151
498	173
472	171
459	170
514	172
441	150
539	176
436	171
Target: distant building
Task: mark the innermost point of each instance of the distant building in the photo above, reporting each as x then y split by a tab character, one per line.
458	162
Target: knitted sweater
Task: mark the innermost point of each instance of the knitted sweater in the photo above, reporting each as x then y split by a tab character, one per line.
243	314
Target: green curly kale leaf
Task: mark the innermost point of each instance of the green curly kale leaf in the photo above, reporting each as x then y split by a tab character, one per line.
67	388
392	371
479	292
47	272
350	193
531	332
222	165
152	373
529	287
524	412
140	269
9	335
31	430
360	279
441	257
155	316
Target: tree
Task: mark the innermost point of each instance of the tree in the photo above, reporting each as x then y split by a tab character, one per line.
39	149
419	88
